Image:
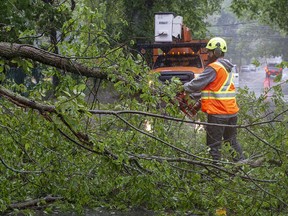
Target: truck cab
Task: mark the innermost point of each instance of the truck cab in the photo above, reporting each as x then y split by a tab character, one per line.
185	66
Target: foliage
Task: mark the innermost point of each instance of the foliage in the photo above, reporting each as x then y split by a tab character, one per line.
41	158
271	12
22	19
139	16
136	150
247	39
270	41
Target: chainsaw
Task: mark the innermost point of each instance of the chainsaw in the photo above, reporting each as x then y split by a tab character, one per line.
186	105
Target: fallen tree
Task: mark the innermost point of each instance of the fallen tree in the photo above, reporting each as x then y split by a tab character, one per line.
65	145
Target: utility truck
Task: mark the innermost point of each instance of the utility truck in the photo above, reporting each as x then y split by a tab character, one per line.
174	52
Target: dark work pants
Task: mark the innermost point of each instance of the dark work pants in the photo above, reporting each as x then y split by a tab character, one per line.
218	134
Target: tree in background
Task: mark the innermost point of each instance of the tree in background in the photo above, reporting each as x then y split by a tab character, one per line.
139	16
272	13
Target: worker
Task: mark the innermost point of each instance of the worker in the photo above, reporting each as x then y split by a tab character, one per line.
218	100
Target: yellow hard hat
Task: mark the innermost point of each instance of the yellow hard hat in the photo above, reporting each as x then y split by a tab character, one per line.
217	42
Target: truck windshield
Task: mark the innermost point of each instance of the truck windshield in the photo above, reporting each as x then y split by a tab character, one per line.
187	60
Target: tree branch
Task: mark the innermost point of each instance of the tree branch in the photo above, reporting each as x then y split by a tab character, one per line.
199	163
23	101
17	171
34	202
13	50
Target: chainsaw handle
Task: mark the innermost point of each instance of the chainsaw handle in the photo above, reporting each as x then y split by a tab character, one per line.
195	96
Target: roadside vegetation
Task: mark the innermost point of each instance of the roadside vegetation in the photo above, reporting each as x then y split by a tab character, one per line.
84	128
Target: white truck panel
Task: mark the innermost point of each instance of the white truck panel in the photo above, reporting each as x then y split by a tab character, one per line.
163	27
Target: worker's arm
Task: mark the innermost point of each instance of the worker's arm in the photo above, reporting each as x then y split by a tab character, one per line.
197	84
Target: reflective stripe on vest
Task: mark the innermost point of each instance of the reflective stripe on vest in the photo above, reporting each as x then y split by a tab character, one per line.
218	95
223	93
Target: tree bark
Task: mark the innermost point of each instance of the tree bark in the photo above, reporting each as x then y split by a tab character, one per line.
24	102
35	202
12	50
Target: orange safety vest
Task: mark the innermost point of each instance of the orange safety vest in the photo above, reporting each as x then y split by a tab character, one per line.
219	96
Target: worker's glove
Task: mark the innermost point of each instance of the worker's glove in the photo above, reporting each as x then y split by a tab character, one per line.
178	84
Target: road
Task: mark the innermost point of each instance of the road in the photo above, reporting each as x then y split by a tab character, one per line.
255	81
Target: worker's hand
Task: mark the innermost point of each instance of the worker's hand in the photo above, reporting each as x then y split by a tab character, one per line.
183	95
178	84
180	88
176	80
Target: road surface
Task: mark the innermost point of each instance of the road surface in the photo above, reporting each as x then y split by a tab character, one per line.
255	81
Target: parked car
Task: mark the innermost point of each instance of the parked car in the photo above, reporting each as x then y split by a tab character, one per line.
273	70
235	76
252	67
285	74
245	68
248	68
